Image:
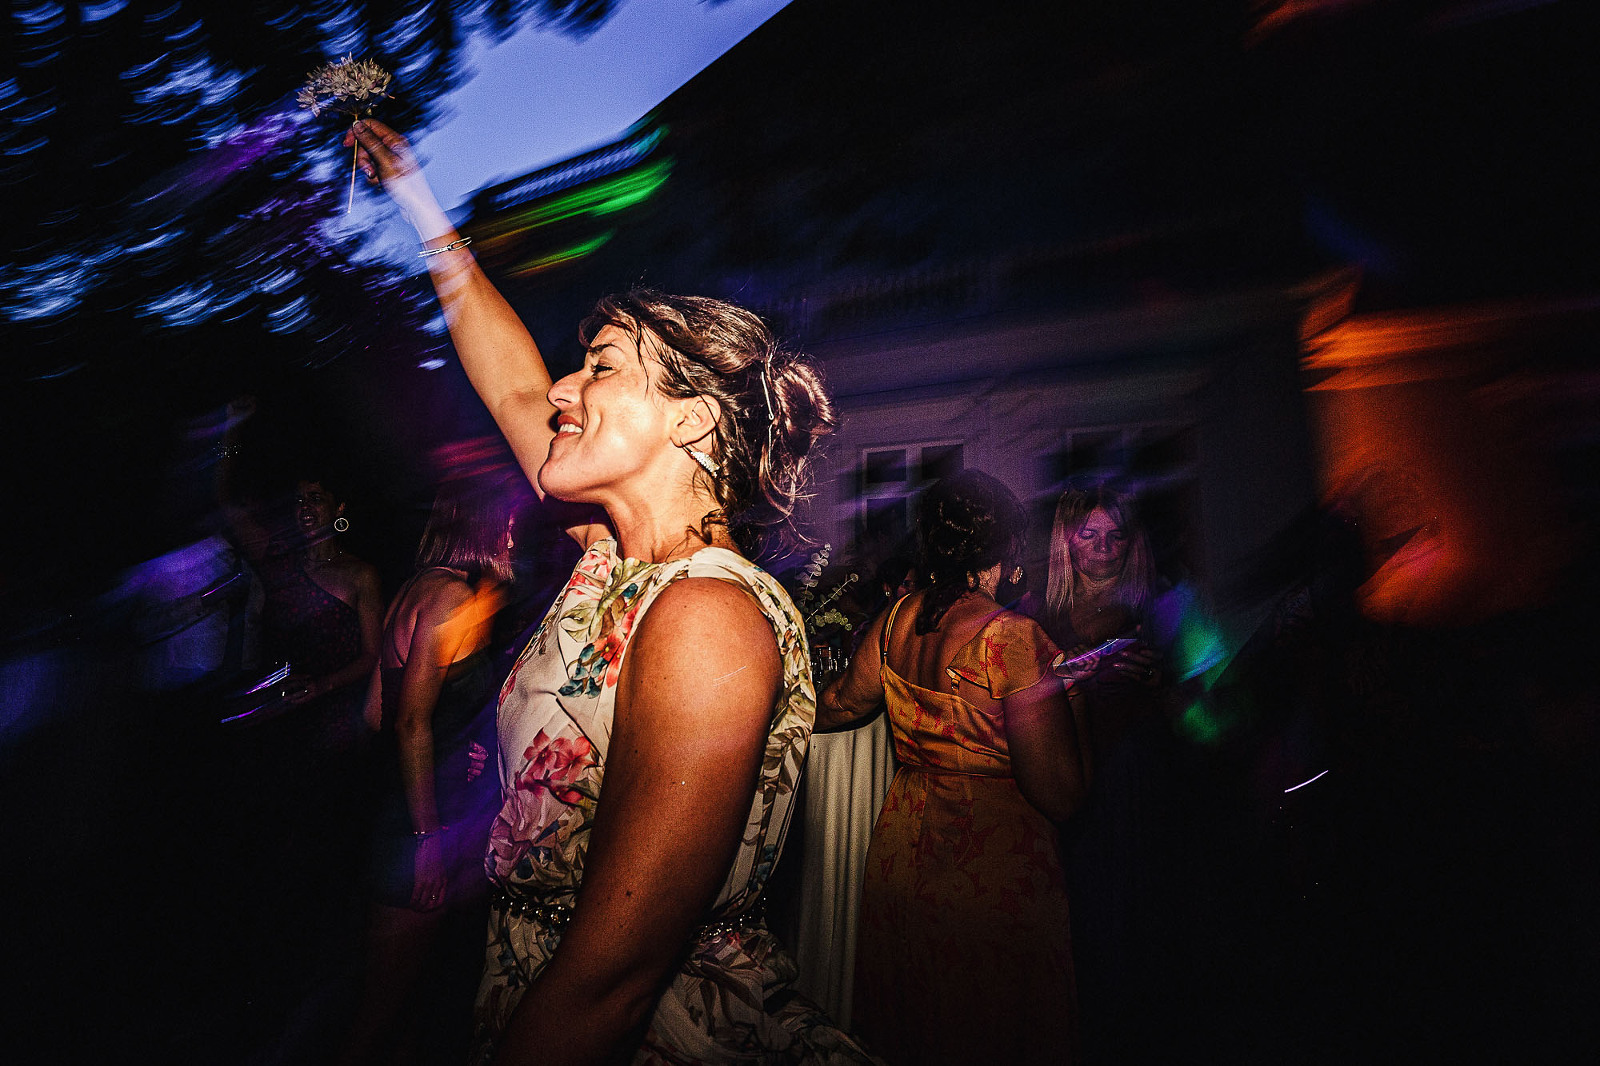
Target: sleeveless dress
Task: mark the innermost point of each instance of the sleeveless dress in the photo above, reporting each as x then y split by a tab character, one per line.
303	623
732	1001
316	633
459	717
965	951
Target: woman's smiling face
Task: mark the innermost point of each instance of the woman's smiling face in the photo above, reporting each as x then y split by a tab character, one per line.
314	507
612	422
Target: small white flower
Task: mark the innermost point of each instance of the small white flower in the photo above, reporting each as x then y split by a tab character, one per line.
348	86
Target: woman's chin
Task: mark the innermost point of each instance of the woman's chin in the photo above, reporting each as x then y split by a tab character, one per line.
565	489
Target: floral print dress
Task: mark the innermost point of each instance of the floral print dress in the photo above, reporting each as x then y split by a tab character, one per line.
731	1001
965	945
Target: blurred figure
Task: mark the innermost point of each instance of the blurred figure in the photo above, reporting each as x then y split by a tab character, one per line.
322	612
323	606
299	759
190	608
965	952
1132	643
431	705
193	609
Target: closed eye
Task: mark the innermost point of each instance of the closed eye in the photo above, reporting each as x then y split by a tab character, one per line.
597	353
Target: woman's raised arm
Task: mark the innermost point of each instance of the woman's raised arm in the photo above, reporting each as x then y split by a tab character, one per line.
496	350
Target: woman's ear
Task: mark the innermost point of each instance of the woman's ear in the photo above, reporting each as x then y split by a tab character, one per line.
697	420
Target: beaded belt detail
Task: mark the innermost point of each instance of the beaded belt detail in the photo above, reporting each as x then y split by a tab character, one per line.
556	915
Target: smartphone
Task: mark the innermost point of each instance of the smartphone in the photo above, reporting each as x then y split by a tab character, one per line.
1115	644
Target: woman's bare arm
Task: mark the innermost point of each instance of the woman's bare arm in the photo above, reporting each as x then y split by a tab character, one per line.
436	638
372	710
1042	735
856	693
499	355
694	704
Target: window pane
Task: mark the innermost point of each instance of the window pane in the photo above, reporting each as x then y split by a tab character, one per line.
940	460
886	467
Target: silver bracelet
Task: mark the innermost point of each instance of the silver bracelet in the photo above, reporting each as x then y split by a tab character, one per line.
461	242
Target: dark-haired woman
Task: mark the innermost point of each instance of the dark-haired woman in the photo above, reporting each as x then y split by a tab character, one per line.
322	613
965	951
427	704
627	921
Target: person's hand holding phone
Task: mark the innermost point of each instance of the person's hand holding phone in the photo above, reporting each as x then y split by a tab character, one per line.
1120	660
1084	661
1135	663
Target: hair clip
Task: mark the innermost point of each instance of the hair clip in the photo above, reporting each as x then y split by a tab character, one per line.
766	392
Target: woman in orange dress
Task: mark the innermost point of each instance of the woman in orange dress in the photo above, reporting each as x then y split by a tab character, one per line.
965	950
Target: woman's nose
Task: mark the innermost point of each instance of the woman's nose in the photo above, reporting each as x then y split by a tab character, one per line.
564	391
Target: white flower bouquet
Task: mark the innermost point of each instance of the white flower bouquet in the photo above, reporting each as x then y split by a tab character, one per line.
349	87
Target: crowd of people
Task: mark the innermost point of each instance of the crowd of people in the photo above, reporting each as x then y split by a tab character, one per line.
559	840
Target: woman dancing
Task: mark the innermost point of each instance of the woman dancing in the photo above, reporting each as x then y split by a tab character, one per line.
427	704
965	950
670	667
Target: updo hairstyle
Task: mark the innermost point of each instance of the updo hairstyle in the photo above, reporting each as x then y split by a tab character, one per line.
966	523
714	349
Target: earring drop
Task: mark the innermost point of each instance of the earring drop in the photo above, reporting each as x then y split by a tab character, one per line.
341	524
704	460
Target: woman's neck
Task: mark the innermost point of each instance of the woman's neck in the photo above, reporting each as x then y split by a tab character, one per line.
319	551
1097	593
668	541
658	534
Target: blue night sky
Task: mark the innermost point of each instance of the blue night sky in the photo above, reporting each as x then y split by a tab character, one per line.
542	96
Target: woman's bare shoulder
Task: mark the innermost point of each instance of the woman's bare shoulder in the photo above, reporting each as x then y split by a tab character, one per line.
709	637
704	605
439	587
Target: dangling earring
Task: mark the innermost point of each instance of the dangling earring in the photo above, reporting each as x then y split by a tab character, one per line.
341	524
1016	576
972	580
704	460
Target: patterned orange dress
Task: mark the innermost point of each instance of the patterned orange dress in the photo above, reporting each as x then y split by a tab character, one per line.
965	950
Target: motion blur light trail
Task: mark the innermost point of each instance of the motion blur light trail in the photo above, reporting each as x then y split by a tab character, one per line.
599	184
1461	515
